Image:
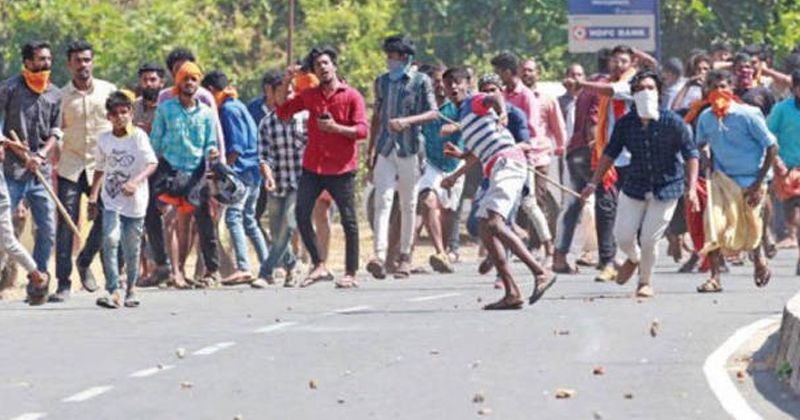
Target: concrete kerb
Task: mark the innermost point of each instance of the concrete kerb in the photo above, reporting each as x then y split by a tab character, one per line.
788	353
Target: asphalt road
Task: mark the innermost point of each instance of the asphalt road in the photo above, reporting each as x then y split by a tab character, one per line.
412	349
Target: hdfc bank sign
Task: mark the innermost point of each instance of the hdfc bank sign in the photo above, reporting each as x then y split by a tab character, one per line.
596	24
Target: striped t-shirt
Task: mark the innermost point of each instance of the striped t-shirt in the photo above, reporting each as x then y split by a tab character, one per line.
482	136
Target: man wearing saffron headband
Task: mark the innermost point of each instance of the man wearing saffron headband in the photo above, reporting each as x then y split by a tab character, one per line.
40	130
184	136
743	150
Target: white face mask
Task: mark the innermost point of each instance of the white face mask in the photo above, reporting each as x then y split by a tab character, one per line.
646	103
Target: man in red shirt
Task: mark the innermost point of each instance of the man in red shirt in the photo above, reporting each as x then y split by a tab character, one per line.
336	121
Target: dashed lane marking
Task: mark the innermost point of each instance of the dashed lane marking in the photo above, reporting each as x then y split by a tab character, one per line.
206	351
88	394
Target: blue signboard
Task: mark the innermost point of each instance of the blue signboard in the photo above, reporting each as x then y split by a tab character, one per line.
596	24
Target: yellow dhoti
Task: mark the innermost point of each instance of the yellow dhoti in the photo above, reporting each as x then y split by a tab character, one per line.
731	225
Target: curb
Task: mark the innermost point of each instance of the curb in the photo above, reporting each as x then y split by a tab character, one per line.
789	343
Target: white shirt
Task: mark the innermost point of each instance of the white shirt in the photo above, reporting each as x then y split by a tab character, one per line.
122	159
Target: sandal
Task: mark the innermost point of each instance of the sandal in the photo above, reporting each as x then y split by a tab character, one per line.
644	291
237	278
346	284
543	282
308	281
505	304
762	276
710	286
566	269
377	268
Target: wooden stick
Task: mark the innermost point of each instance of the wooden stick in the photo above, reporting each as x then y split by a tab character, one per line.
19	149
449	120
557	184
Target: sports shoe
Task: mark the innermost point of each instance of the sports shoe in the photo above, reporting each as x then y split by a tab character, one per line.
607	274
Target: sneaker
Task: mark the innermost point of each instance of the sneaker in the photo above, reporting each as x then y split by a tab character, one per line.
60	296
607	274
261	283
87	279
377	268
441	263
110	300
131	300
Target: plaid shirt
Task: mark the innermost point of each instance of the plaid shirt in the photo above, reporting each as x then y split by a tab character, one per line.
411	95
281	145
655	166
183	137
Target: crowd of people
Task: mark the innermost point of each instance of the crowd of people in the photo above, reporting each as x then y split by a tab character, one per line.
706	154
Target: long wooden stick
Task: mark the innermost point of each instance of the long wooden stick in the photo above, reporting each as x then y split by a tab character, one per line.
557	184
16	146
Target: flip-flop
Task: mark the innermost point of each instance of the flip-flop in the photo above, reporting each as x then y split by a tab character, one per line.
709	286
504	305
308	281
539	289
348	284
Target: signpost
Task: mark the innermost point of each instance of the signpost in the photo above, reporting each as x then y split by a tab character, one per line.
596	24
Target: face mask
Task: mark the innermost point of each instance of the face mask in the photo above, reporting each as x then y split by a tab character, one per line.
397	68
150	95
646	103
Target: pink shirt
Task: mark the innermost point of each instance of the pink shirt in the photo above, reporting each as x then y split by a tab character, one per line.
545	122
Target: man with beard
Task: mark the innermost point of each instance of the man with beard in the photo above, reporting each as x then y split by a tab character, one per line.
151	81
337	120
746	84
85	119
184	135
31	106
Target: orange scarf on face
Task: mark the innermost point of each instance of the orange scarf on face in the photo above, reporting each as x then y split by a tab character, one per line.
720	102
37	82
221	96
187	69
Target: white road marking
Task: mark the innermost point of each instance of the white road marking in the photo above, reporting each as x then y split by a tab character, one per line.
352	309
30	416
718	378
150	371
274	327
213	348
88	394
434	297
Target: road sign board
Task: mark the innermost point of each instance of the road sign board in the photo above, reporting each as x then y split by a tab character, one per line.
595	24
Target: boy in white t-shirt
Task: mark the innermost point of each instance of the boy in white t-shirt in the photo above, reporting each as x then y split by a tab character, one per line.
125	159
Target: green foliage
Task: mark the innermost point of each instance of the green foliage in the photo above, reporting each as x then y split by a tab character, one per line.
245	37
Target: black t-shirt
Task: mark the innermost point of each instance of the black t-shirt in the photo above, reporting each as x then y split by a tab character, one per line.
759	96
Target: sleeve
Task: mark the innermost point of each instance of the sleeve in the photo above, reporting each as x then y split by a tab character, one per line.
99	156
758	129
687	146
4	94
477	105
517	124
212	126
428	97
158	131
234	128
556	121
622	90
774	119
376	107
617	141
263	142
292	106
358	116
148	155
56	118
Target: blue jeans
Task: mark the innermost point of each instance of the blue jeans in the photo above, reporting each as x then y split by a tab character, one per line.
127	232
282	225
43	210
241	221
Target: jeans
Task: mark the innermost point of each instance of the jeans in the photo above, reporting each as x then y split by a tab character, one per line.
43	210
342	188
282	225
8	240
605	210
241	220
69	193
402	174
125	232
579	165
648	216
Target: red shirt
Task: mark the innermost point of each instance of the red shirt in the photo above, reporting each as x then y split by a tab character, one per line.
329	153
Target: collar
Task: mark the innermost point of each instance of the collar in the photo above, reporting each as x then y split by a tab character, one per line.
70	88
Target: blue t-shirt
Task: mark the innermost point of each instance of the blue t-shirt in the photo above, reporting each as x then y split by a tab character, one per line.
784	122
241	137
738	142
257	110
434	144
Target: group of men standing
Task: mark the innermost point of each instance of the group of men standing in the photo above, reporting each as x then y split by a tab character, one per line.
294	153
